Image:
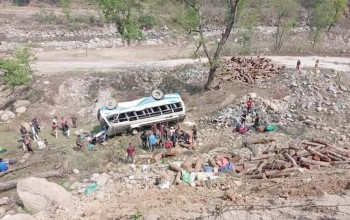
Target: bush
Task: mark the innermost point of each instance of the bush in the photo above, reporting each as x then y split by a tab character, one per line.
17	71
147	21
21	2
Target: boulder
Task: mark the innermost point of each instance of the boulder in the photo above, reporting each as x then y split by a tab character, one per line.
18	217
101	179
7	116
21	110
38	193
21	103
4	201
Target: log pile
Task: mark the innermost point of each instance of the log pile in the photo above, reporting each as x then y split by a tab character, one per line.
312	155
248	70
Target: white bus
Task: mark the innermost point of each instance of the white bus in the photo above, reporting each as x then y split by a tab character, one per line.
127	116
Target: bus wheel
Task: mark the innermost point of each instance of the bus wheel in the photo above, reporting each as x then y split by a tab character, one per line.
111	104
157	94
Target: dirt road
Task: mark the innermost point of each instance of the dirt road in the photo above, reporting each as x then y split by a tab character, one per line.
150	56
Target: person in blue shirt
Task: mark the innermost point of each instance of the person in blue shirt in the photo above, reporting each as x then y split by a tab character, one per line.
152	141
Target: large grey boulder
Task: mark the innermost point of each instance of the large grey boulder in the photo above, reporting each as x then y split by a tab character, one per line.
38	194
21	110
7	116
21	103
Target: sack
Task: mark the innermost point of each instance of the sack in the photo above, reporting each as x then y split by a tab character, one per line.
270	128
3	167
185	177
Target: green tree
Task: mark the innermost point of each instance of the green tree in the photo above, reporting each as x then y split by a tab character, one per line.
126	15
325	15
66	8
17	71
192	20
286	12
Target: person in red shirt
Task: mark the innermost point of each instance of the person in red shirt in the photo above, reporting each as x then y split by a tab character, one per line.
63	122
54	129
249	105
131	152
168	144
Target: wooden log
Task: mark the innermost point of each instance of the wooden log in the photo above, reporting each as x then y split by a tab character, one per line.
340	162
310	166
315	144
278	165
305	153
336	155
292	152
319	141
239	168
20	167
188	146
339	150
198	166
321	163
333	157
288	157
175	168
317	158
262	141
321	156
188	164
13	183
144	156
157	157
213	163
177	180
263	156
274	173
260	167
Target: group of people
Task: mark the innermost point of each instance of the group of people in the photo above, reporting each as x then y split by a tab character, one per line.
161	136
64	125
317	63
27	136
242	128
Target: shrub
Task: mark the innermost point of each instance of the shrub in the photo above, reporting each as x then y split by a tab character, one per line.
16	71
147	21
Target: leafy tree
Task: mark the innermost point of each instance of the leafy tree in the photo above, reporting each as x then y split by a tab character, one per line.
17	71
286	12
192	20
125	14
325	15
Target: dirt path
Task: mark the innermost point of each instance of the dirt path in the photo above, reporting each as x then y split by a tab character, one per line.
150	56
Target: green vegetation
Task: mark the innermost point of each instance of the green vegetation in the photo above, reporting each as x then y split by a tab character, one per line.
286	12
17	71
325	15
126	16
66	7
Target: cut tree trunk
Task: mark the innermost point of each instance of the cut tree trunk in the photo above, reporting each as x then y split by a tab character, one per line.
288	157
263	156
320	155
177	180
171	152
305	153
262	141
175	168
13	183
198	166
336	155
21	167
321	163
260	167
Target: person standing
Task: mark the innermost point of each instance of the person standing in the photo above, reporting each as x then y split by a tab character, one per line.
173	137
317	64
243	119
34	131
194	135
298	65
152	142
256	121
66	129
63	122
54	120
168	144
23	130
54	129
250	104
131	152
74	121
144	139
28	144
79	142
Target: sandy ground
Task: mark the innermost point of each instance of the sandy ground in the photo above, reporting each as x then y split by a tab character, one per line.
150	56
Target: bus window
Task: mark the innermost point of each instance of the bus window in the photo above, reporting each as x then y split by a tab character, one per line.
165	109
132	116
156	111
122	117
113	119
141	114
178	107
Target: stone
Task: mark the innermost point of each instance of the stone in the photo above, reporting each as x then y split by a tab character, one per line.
7	116
21	103
252	95
38	193
76	171
319	109
18	217
21	110
152	217
101	179
4	200
343	138
76	185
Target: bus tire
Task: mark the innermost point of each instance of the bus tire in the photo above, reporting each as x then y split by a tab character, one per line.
157	94
111	104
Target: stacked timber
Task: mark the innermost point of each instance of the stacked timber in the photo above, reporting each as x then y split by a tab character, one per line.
249	70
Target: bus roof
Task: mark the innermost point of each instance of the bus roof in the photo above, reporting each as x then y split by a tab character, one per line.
142	103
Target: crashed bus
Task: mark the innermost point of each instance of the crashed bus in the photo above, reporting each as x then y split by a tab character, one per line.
116	118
